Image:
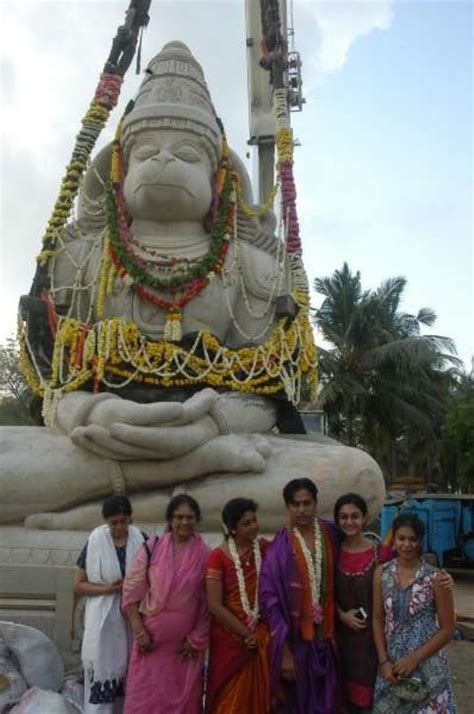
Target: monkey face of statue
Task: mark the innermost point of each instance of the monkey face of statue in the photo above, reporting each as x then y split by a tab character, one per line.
168	177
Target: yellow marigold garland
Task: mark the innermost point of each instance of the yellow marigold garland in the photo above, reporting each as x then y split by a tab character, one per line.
93	122
114	348
252	212
284	144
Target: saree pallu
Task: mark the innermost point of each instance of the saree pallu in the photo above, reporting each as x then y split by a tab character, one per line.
238	680
161	681
169	588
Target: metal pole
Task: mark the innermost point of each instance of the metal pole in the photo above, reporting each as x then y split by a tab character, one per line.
259	80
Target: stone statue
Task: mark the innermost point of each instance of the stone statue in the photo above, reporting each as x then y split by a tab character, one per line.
178	334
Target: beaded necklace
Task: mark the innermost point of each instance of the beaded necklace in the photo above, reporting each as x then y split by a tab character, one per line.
252	613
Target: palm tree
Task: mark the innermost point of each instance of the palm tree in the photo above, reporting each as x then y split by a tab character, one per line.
383	384
457	450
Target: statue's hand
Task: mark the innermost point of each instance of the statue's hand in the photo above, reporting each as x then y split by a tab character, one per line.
125	430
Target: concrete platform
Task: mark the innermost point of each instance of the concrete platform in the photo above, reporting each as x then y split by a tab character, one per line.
464	597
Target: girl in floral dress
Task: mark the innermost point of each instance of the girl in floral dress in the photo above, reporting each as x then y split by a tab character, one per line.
413	618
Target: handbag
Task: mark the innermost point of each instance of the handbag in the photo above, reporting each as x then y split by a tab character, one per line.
411	689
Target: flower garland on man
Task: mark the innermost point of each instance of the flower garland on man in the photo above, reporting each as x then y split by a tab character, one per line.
298	606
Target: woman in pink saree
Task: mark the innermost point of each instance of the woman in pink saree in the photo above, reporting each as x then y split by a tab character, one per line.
165	601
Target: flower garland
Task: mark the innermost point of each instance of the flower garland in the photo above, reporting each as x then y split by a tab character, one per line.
252	613
190	281
114	353
264	208
314	566
105	98
131	264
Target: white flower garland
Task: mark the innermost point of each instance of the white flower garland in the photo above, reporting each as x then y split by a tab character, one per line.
314	566
252	613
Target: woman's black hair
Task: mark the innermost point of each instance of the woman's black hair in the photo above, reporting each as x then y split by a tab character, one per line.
116	506
349	499
409	520
234	510
298	484
182	499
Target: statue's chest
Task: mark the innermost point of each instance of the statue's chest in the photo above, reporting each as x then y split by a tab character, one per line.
211	309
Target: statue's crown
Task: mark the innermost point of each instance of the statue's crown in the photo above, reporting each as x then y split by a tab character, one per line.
174	94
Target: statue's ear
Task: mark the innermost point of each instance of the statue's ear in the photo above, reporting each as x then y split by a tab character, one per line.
98	173
91	213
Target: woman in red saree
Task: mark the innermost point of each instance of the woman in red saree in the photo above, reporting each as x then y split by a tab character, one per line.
238	680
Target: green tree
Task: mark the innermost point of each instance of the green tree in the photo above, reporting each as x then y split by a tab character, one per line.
458	439
15	397
384	385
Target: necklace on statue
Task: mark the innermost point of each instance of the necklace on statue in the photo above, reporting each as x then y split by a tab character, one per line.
186	282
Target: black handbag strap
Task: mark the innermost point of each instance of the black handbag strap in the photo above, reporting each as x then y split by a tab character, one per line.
150	552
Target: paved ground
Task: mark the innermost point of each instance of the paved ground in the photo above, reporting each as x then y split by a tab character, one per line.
461	652
464	596
461	658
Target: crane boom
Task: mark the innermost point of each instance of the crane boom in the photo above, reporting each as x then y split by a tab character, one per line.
260	102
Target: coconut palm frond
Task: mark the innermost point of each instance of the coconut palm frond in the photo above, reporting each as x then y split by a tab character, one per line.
427	316
383	383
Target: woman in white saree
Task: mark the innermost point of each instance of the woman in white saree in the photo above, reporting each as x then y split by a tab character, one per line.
101	567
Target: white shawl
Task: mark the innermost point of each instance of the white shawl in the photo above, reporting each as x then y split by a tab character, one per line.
105	647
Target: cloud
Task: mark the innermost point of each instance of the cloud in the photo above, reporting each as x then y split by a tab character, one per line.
341	24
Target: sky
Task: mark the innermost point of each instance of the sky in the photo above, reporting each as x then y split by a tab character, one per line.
384	170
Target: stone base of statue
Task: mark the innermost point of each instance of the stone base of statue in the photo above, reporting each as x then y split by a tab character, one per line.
36	575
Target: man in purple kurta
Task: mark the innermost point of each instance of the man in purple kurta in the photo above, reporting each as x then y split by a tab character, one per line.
304	667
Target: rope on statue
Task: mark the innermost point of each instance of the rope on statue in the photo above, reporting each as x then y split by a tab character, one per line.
105	99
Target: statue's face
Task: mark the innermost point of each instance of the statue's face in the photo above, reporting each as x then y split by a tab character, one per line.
168	177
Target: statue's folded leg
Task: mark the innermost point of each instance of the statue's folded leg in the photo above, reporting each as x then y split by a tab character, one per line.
335	468
41	470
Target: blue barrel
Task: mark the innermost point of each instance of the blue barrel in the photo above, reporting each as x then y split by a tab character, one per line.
467	528
467	518
468	548
387	515
444	525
